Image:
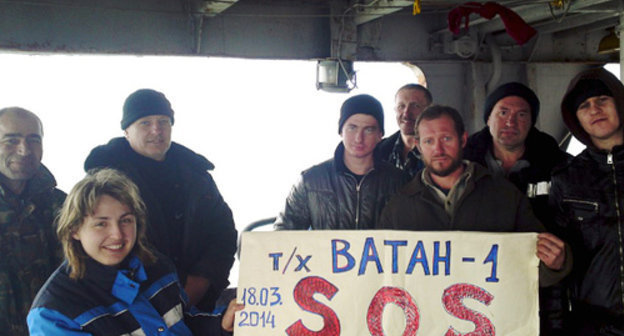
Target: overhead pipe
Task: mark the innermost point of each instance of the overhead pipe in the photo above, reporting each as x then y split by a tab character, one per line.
376	9
215	7
497	64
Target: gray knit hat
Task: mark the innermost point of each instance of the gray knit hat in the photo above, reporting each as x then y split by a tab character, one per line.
143	103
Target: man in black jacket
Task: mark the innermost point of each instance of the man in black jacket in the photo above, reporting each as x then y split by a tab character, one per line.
588	199
349	191
510	146
400	149
189	221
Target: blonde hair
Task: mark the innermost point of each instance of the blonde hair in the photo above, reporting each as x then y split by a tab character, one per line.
82	202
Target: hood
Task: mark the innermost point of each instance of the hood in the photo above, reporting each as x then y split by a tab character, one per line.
569	116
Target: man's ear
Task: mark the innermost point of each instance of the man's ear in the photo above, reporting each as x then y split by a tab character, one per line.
126	133
464	139
417	143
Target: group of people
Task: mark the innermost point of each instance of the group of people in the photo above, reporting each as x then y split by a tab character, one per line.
507	177
145	242
143	245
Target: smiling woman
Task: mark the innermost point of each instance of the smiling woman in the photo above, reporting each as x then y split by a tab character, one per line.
111	281
108	234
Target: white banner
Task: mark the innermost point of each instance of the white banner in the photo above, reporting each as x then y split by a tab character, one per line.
356	283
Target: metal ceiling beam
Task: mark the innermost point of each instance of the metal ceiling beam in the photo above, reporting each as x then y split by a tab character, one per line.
378	9
530	13
534	13
575	21
215	7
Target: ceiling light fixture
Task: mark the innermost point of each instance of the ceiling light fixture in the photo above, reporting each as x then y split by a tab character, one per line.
335	75
609	44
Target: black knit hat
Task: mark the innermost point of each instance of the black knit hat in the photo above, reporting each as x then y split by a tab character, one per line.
512	89
585	89
143	103
364	104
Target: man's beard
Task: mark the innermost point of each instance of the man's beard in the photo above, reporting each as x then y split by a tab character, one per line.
449	170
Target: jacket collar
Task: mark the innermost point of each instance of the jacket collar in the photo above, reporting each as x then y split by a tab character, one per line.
123	282
539	147
601	156
417	186
41	182
339	159
118	152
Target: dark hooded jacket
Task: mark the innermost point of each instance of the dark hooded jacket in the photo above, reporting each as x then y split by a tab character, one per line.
330	197
188	220
588	199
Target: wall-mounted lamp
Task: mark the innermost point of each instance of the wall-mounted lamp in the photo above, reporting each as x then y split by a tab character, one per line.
609	44
335	75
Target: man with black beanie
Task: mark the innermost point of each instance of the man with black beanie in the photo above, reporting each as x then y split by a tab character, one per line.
189	221
350	190
510	146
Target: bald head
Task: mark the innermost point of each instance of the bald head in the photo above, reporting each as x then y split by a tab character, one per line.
21	147
22	112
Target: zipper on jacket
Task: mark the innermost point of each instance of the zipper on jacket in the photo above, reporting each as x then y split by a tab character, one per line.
590	203
357	204
619	224
358	186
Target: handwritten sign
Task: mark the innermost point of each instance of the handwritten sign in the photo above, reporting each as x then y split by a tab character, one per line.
388	283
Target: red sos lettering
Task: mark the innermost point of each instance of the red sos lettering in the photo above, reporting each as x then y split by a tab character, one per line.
303	295
452	299
398	297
